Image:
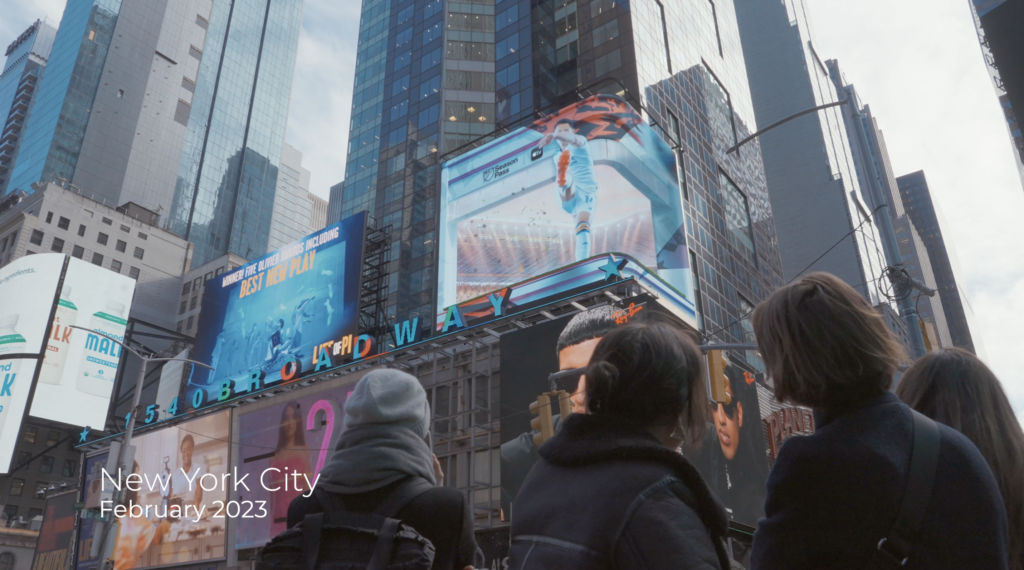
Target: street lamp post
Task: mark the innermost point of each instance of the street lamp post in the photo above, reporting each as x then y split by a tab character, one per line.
901	281
129	429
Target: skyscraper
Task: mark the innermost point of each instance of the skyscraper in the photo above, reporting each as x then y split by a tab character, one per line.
134	108
295	208
26	58
998	23
434	77
918	202
823	219
224	195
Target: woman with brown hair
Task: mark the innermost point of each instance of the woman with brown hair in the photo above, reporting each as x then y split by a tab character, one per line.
954	387
834	495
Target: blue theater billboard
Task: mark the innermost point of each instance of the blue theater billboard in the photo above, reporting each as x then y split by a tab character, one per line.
592	179
273	319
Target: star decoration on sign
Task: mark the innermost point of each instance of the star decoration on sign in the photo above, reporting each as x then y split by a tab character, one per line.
82	436
613	268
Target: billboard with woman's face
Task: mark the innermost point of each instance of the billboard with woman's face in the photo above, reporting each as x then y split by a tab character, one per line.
282	447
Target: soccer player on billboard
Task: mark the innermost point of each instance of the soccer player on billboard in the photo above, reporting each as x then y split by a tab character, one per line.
575	179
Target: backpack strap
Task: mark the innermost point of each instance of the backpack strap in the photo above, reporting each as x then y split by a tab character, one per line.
312	525
411	488
331	503
893	550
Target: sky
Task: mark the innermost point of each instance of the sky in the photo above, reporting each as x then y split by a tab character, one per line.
917	63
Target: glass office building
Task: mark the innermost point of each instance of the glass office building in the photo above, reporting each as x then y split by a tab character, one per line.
434	78
26	59
60	111
823	219
224	195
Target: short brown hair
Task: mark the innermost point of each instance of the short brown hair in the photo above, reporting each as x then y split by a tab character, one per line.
823	345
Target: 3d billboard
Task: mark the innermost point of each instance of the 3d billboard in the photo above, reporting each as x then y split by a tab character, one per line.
180	509
271	315
593	178
77	375
28	286
295	435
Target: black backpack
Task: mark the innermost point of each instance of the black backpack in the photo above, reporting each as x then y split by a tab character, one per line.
337	539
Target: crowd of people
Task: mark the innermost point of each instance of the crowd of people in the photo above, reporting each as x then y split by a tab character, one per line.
616	486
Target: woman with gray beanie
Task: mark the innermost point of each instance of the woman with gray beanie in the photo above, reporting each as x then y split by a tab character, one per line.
382	447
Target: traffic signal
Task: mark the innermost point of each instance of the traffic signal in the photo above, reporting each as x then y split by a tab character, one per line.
542	425
717	377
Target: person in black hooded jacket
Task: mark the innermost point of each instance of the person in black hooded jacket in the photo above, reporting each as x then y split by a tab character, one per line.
610	489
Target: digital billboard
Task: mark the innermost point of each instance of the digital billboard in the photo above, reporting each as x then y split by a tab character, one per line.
295	435
89	528
594	178
176	514
57	533
733	457
269	318
76	378
28	286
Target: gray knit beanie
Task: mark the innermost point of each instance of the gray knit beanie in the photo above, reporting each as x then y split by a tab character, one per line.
388	397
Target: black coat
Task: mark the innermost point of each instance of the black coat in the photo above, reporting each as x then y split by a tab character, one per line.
440	515
832	496
606	496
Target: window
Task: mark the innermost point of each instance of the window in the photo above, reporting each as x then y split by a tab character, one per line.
125	228
139	253
133	272
186	288
737	217
70	468
52	437
188	324
24	457
77	251
115	265
108	221
102	238
192	303
28	435
36	238
606	33
17	486
97	259
46	465
57	245
143	236
81	229
121	245
63	223
182	306
49	217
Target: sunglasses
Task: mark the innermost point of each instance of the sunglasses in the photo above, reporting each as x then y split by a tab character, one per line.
729	409
566	380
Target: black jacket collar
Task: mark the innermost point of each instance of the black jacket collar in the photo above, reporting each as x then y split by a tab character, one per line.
585	439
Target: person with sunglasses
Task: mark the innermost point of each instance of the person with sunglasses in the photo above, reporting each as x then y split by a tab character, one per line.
573	348
731	456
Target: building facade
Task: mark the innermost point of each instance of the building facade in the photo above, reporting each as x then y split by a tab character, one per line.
435	77
135	108
823	219
998	23
125	240
922	213
26	58
227	175
297	211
